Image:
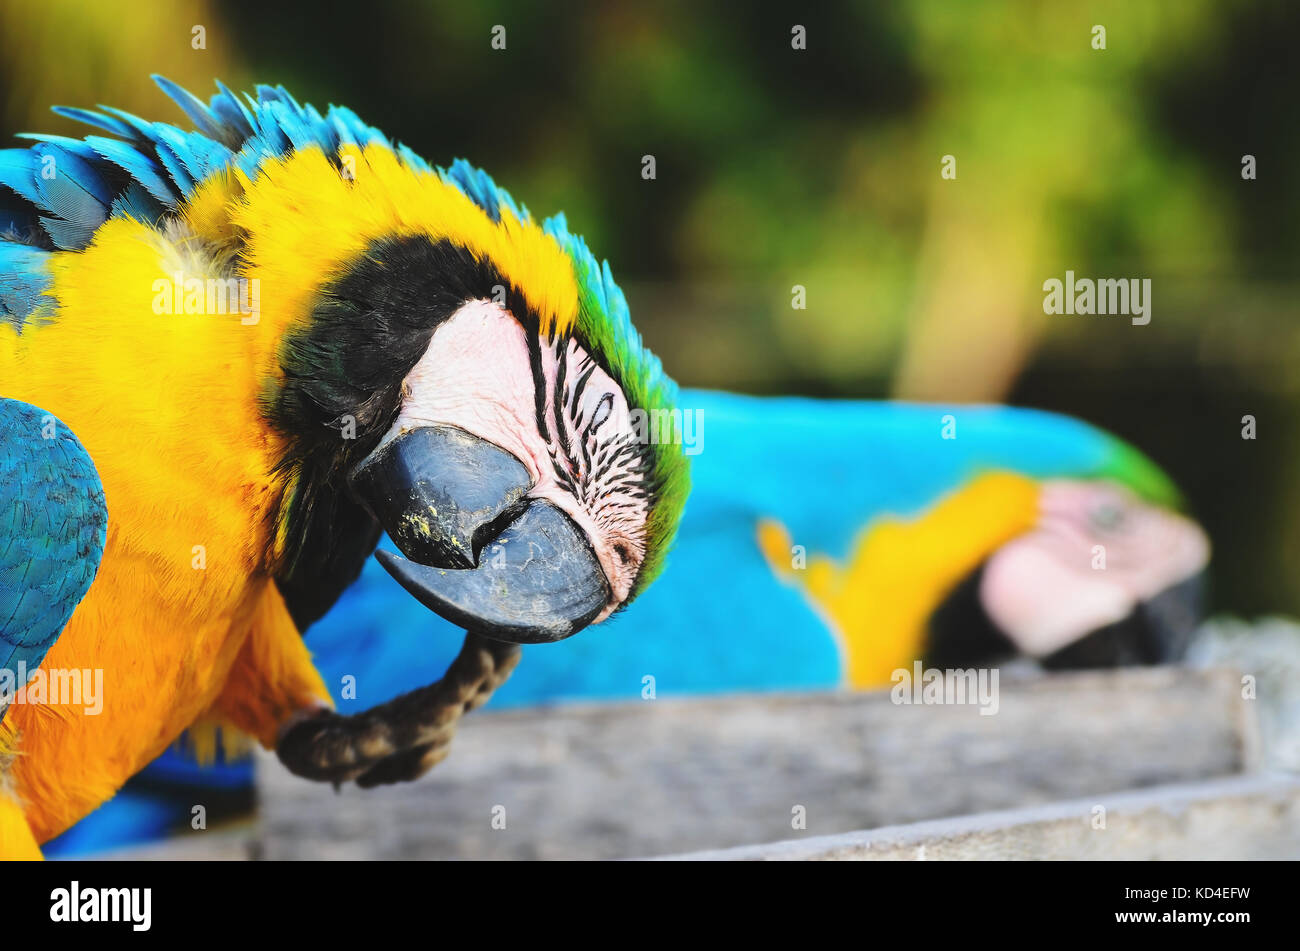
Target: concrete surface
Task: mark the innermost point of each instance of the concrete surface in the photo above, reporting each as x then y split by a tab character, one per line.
1242	817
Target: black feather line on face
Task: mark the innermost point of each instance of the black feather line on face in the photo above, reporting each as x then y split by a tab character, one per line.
343	371
580	387
567	423
539	384
561	371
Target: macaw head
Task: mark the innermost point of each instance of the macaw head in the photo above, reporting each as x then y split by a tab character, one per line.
1102	577
505	453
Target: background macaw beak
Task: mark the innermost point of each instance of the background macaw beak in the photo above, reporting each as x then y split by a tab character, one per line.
1157	631
444	496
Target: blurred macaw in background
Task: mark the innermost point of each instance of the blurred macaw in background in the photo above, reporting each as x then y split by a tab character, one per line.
825	544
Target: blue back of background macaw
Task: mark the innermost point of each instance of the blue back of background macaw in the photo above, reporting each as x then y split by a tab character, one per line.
718	619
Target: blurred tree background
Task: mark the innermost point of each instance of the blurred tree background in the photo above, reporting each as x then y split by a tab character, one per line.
821	168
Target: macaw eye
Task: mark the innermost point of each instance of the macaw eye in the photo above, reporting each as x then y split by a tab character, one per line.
1107	517
601	414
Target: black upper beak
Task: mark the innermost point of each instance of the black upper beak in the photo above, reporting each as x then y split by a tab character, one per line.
482	556
441	494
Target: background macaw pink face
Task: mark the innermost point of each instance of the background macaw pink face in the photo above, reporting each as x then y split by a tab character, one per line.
1096	552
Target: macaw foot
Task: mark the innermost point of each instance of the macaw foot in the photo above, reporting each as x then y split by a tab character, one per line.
403	739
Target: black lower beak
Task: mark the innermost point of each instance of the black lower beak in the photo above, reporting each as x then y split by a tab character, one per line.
539	581
481	554
1157	632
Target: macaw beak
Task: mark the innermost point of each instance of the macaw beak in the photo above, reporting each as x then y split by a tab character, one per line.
481	553
1157	631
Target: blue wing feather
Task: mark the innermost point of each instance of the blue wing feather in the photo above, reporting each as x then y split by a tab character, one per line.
67	234
71	189
96	119
238	121
53	526
194	107
16	172
137	203
140	167
23	279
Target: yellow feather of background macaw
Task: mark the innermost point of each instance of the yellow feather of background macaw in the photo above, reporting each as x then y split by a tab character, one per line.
878	601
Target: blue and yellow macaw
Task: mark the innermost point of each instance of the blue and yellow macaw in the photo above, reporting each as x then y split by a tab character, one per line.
278	336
